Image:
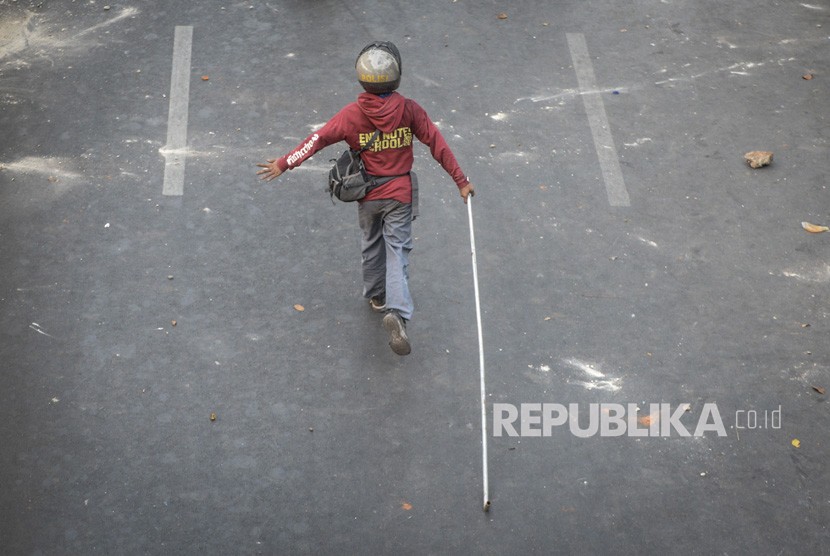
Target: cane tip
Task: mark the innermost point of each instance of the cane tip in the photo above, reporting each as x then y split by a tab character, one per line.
486	506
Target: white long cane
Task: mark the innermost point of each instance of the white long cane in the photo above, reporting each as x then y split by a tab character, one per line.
486	502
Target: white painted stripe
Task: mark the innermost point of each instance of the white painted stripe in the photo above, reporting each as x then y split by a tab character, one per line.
175	150
598	120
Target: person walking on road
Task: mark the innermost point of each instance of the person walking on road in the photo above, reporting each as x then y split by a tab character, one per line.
385	214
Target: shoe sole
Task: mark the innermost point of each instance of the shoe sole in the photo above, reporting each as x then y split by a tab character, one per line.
398	342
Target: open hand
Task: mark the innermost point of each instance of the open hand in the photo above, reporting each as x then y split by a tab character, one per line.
269	171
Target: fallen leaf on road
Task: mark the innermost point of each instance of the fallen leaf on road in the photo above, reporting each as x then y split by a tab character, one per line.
819	389
796	443
406	506
758	159
814	228
648	420
299	308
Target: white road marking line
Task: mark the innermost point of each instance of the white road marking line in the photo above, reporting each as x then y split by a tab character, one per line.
175	151
598	120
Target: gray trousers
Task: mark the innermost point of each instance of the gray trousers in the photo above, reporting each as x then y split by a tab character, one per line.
385	247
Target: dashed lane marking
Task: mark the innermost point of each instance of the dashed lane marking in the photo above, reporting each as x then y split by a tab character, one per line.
598	120
175	151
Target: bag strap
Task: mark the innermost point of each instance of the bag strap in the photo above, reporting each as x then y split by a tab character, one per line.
370	142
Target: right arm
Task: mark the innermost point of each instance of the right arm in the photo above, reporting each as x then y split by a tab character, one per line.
332	132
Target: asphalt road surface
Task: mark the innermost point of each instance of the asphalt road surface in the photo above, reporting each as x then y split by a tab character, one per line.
188	366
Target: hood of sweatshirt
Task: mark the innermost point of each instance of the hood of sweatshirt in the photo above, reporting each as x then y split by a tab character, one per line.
384	113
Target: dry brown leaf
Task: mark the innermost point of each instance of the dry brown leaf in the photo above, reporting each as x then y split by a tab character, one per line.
212	416
502	15
807	76
814	228
758	159
174	323
406	506
205	77
819	389
299	308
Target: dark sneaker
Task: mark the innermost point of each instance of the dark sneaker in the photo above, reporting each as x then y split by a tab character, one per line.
396	326
378	303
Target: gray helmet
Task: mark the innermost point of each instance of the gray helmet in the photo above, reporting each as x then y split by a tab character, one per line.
379	67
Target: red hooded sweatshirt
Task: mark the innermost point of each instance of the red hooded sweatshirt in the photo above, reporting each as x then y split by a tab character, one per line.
398	119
